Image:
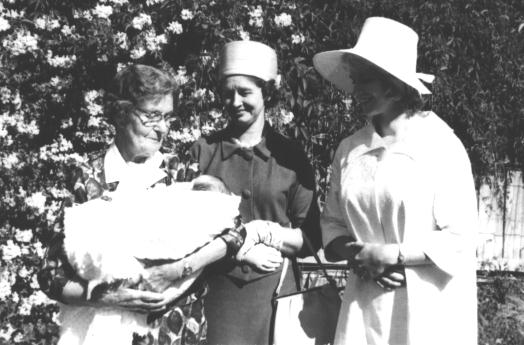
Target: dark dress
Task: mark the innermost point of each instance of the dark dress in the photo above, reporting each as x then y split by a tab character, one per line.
276	182
184	323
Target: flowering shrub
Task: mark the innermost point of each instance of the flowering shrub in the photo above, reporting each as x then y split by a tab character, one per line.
57	57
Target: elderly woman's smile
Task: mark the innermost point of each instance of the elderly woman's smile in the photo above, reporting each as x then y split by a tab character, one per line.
142	137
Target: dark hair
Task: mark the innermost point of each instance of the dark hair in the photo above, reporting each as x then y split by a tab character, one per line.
269	92
410	100
135	84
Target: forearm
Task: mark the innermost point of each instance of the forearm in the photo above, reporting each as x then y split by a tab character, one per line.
206	255
413	256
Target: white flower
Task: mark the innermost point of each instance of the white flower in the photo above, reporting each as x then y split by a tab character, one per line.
175	27
278	81
10	161
137	52
5	289
120	66
56	82
4	24
205	59
103	11
23	272
141	20
24	236
56	318
94	121
215	114
36	200
244	35
82	14
38	298
186	135
207	128
91	95
283	20
30	128
186	14
14	14
117	2
10	251
21	42
286	116
5	95
62	61
5	333
199	94
95	109
181	77
121	40
257	12
255	17
34	282
154	42
25	307
297	39
348	102
46	23
153	2
40	23
67	30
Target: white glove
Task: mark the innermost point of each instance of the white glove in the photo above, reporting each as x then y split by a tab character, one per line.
261	231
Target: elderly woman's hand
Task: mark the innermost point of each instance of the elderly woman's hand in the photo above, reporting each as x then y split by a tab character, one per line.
130	299
158	278
263	258
373	258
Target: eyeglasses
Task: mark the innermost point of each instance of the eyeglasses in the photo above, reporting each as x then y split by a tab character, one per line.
151	119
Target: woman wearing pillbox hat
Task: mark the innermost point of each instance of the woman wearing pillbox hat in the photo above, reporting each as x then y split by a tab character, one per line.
401	208
277	185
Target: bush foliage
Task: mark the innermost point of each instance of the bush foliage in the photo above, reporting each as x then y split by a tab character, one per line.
57	56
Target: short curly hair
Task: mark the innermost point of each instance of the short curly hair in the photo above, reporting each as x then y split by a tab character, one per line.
135	84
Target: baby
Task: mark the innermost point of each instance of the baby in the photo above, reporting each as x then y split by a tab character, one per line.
107	240
210	183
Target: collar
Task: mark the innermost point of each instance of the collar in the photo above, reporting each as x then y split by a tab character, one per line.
116	168
230	147
418	129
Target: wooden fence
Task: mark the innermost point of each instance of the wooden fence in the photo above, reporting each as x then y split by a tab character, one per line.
501	223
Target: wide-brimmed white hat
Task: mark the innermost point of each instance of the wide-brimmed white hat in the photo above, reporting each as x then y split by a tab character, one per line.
248	58
384	43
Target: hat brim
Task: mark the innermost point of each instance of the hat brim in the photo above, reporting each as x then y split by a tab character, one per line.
334	66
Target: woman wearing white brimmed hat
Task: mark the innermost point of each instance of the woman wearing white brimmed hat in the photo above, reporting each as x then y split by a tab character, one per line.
401	206
277	185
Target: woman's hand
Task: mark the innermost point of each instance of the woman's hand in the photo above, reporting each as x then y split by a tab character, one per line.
159	278
373	258
393	278
130	299
263	258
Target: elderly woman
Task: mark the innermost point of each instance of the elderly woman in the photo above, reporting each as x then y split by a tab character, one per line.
276	182
401	206
140	105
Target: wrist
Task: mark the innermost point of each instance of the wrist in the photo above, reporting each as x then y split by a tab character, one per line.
401	258
234	239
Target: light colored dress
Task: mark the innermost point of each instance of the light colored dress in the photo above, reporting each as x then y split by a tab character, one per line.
418	191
